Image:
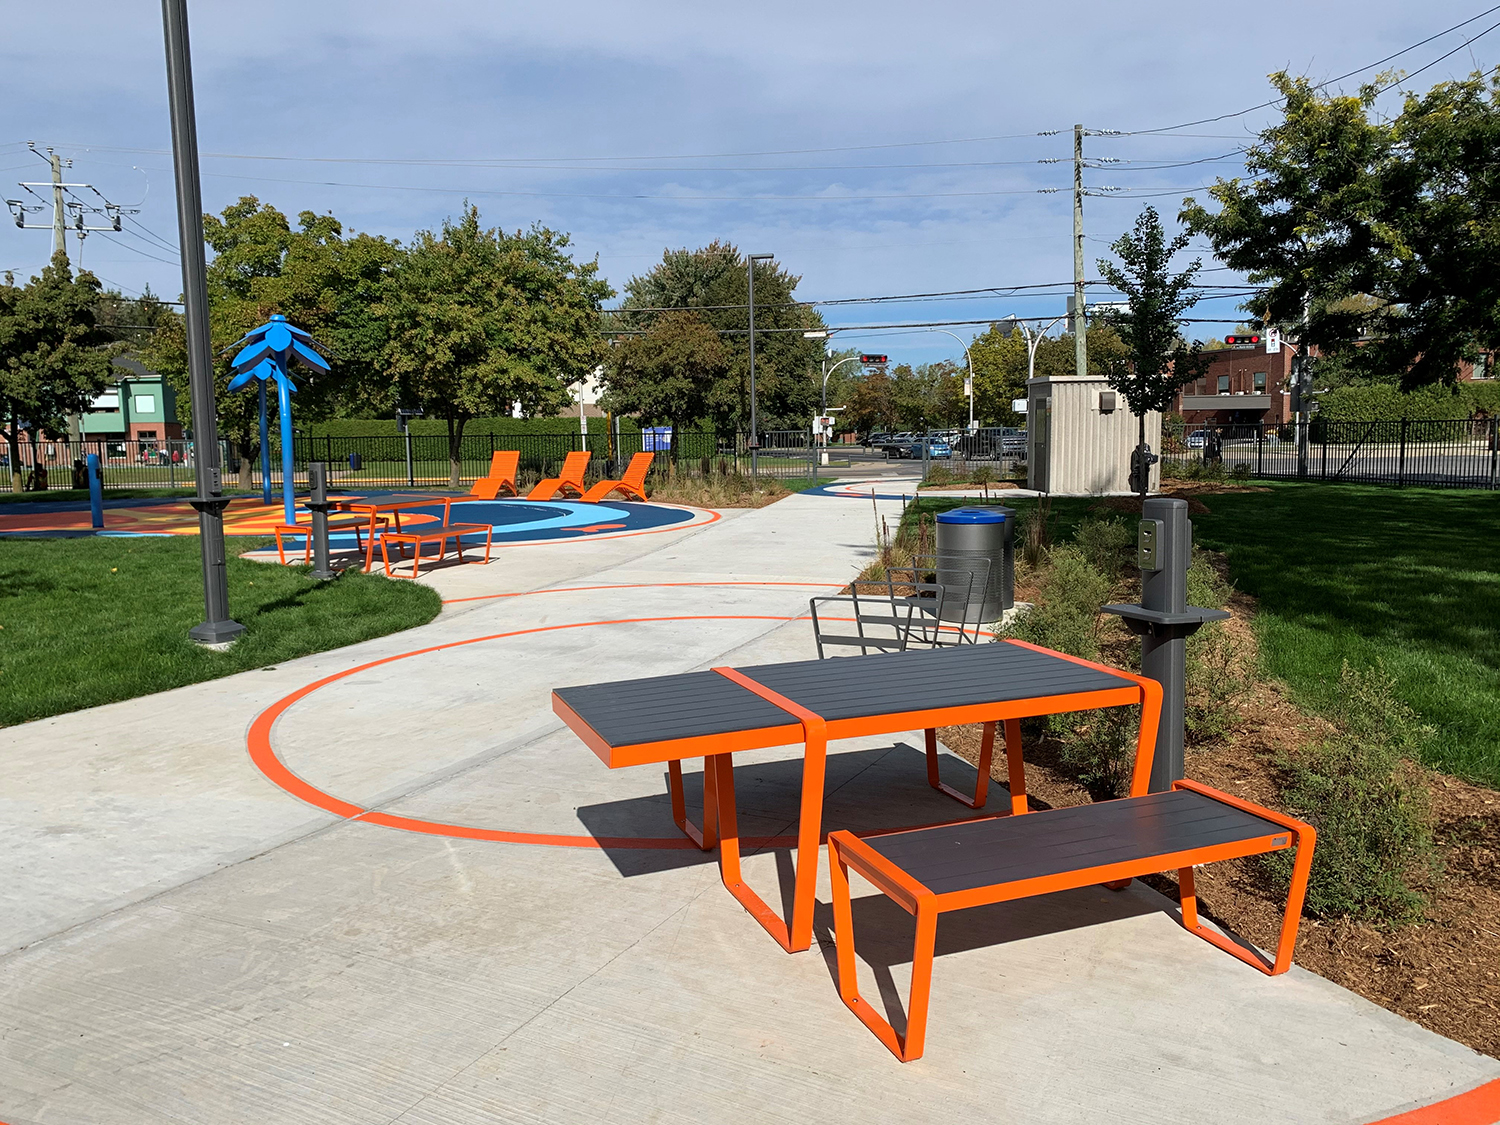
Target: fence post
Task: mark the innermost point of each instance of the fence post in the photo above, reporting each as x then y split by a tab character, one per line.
1494	448
1401	457
1260	450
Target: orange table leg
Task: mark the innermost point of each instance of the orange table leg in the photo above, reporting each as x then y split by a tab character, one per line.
706	837
1016	766
796	935
981	783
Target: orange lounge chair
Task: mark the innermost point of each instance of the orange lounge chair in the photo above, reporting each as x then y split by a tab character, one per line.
570	480
501	478
632	484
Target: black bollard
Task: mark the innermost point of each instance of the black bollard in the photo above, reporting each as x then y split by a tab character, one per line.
1164	621
317	473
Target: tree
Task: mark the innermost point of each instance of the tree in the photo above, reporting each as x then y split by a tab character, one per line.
669	373
1156	360
1001	365
480	319
55	358
712	282
320	279
1377	238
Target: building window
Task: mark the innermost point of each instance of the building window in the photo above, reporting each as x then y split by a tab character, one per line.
143	404
1223	384
1482	367
1260	382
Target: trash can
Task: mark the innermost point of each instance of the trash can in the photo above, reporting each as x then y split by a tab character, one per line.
356	462
966	538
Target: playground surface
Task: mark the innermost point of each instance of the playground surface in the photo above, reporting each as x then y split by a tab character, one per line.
384	884
514	521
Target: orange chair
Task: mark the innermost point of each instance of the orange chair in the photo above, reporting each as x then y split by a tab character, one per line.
632	484
501	478
570	480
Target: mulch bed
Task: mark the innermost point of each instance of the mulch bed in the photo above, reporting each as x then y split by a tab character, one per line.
1443	973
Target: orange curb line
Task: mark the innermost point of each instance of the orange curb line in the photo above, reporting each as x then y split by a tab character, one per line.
1479	1106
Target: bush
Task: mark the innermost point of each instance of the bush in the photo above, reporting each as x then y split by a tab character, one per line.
1066	613
1218	672
1387	403
1369	803
1107	544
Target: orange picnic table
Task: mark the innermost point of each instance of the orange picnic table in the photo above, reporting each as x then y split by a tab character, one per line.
711	715
377	508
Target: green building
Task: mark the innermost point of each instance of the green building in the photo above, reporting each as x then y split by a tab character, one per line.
140	406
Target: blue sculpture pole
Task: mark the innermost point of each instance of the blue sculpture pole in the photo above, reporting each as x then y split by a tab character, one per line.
265	451
288	461
96	492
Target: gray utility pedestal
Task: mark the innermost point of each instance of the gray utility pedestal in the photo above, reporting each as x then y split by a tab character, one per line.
976	551
1164	621
318	505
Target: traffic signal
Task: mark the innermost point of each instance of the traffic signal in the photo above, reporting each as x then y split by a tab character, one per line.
872	360
1242	339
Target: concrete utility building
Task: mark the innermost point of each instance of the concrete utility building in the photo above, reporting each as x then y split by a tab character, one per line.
1080	435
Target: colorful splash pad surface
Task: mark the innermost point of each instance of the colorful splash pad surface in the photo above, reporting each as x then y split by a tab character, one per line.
514	521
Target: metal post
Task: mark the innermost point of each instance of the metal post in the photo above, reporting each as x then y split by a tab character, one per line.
96	491
926	448
411	476
1080	321
317	473
1164	621
288	453
1401	457
1494	449
217	627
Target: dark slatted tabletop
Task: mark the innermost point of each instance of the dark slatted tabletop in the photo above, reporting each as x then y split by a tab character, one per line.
983	853
705	704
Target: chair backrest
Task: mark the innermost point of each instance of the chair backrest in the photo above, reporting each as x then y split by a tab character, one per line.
504	463
882	619
574	465
640	464
953	618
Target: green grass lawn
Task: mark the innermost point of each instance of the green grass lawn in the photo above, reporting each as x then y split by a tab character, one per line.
1406	577
90	621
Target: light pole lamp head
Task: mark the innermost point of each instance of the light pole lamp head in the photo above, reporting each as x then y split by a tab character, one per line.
760	257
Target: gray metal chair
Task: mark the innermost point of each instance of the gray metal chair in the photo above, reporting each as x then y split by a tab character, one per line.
883	620
952	619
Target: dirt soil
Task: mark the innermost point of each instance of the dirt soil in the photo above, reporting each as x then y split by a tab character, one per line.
1443	973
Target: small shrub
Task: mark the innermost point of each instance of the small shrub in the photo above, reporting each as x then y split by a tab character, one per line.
1098	749
1033	532
1240	472
1066	614
1369	803
938	474
1108	544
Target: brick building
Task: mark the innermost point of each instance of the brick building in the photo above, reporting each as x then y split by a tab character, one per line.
1242	384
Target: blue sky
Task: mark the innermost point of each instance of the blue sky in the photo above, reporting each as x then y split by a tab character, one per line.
876	148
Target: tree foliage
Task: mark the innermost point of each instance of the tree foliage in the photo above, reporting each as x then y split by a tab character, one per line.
55	357
669	374
317	277
478	319
1156	360
1001	365
712	282
1376	237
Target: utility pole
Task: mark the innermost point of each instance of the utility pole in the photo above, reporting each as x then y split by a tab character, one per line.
750	260
1080	319
217	627
59	216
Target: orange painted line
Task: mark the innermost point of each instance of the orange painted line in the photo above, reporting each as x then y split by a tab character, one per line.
1479	1106
263	754
635	586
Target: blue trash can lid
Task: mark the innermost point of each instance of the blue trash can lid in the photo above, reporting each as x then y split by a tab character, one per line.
971	515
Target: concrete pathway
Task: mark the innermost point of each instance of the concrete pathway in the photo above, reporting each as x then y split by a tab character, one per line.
187	941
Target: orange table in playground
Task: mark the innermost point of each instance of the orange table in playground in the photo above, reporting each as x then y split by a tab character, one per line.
377	508
713	714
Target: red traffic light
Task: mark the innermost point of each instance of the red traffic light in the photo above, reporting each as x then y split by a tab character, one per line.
1242	339
872	359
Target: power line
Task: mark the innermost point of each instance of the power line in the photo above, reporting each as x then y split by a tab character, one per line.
1340	78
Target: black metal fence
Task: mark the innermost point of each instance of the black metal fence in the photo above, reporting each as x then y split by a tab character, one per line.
416	460
1460	453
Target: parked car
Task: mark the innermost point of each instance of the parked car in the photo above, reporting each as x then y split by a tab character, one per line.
1197	439
877	439
937	449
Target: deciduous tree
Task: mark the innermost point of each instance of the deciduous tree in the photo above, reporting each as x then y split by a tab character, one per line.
669	373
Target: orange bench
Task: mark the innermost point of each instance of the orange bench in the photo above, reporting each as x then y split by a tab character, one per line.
928	871
570	480
440	535
305	530
502	476
633	483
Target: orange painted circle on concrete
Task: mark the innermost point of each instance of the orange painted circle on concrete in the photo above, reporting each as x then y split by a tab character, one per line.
263	753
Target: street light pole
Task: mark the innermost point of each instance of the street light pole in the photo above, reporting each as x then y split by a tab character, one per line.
1032	343
750	260
217	627
970	358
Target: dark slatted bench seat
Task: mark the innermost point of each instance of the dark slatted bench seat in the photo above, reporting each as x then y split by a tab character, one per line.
433	533
952	867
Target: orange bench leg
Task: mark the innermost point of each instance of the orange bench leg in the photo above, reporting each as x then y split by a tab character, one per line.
905	1047
982	782
1286	942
